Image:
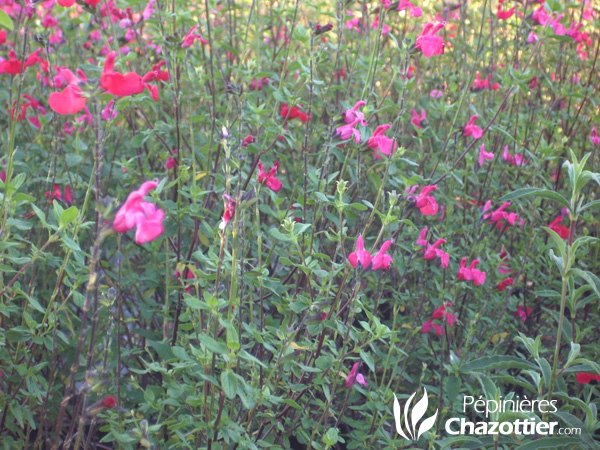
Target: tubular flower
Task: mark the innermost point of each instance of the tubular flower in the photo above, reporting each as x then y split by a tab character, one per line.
355	377
352	114
425	202
428	42
431	251
360	256
471	129
269	177
144	216
471	273
382	145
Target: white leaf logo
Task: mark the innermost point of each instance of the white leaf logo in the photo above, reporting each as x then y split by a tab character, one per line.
417	413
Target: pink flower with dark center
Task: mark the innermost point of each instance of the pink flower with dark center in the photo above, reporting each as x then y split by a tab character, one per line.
269	177
144	216
355	377
471	129
417	119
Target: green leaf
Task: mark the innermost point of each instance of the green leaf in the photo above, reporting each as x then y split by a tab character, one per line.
536	192
497	362
68	216
593	280
229	383
331	437
549	442
6	21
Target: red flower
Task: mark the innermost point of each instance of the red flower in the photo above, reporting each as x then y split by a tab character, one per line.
360	255
191	37
109	402
556	226
269	178
12	65
54	194
522	312
293	113
471	129
585	378
505	283
471	273
425	202
229	211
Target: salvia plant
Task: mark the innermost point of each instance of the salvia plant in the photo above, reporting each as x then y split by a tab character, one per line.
299	224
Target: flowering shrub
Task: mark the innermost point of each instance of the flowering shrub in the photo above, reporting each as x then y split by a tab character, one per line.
236	225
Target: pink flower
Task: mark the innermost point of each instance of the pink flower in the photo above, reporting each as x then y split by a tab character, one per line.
248	140
471	273
360	256
382	144
522	312
144	216
425	202
191	37
516	160
269	178
428	325
355	377
442	313
503	15
353	114
348	131
170	163
594	139
498	215
417	119
432	251
149	10
108	112
428	42
471	129
415	11
483	155
228	213
382	260
257	84
532	38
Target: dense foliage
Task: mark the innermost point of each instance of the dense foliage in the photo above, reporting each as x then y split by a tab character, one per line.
247	225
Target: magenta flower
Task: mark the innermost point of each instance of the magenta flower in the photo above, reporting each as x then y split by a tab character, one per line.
425	202
532	38
497	216
348	131
269	178
516	160
352	114
417	119
355	377
360	256
471	129
504	268
443	313
428	42
109	112
522	312
144	216
483	155
471	273
428	325
594	139
382	144
431	251
382	260
415	11
191	37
